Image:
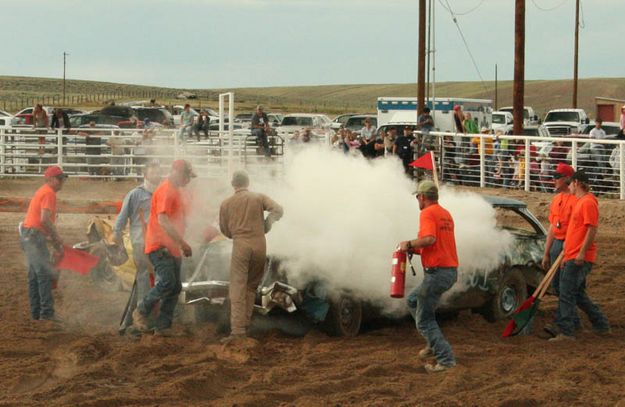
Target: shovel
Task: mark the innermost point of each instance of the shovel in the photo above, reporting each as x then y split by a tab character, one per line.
524	314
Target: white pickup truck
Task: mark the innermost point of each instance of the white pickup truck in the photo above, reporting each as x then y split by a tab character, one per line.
502	121
530	118
561	122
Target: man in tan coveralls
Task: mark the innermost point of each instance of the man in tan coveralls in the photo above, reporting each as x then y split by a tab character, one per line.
242	219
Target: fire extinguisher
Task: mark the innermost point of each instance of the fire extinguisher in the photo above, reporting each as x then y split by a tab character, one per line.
398	272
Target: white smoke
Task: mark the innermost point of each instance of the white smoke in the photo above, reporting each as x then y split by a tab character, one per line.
344	216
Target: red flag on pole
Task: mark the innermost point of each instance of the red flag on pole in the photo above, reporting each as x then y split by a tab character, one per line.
76	260
425	162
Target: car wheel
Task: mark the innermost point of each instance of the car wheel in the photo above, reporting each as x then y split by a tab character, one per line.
344	316
511	293
104	276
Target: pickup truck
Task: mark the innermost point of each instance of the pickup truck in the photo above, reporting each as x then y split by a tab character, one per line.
530	118
502	121
562	122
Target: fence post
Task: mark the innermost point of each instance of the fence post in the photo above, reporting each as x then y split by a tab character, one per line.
574	155
482	163
59	146
622	169
527	164
3	152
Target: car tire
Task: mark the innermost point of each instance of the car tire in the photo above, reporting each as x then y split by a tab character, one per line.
344	316
511	293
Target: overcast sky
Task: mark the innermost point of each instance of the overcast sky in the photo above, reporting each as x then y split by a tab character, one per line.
240	43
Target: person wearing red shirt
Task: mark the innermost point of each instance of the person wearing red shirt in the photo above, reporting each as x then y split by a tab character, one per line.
436	243
35	231
164	245
559	216
580	253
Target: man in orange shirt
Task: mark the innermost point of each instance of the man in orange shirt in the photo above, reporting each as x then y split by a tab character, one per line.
37	228
164	245
436	243
580	253
559	216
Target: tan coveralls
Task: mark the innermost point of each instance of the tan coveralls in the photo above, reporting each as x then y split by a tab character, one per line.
242	218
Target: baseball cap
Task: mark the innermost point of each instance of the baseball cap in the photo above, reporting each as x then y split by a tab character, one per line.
563	170
54	171
424	187
580	176
457	107
183	165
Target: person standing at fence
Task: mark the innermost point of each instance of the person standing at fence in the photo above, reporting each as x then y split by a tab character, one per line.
404	149
622	122
37	229
560	211
187	118
60	120
136	209
242	219
597	150
436	243
260	129
203	121
40	124
165	245
580	253
425	123
461	143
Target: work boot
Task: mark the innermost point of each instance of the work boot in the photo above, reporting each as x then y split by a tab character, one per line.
552	330
438	367
139	320
232	338
561	338
426	353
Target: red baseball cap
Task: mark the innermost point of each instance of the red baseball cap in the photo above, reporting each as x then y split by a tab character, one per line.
563	170
54	171
183	165
457	107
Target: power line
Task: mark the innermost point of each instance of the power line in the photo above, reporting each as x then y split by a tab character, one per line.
466	45
549	8
582	24
466	12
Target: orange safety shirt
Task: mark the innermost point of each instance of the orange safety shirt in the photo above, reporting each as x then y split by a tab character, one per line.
45	198
585	214
167	200
436	221
560	213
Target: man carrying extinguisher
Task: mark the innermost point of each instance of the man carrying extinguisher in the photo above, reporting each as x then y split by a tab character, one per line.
436	243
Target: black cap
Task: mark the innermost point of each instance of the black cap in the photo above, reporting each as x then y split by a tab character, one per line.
580	176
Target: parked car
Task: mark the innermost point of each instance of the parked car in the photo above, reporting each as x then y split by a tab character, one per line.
78	120
339	121
536	131
611	129
156	115
357	122
495	293
562	122
530	118
245	119
27	113
502	121
7	119
319	125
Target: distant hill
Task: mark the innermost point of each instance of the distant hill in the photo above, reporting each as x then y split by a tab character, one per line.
16	92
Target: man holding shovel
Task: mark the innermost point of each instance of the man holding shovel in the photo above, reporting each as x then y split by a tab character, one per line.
580	253
164	245
35	231
136	209
559	216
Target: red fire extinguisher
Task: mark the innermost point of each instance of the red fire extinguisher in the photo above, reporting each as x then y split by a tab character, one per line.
398	272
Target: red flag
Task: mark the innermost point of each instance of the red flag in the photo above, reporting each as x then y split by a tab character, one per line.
425	162
76	260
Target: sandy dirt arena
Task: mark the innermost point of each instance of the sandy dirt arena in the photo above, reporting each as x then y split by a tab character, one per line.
85	363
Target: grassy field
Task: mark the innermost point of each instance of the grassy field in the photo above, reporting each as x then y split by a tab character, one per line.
17	92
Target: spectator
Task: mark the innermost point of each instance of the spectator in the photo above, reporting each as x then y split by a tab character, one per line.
425	123
558	153
368	132
597	150
187	117
458	119
40	124
622	122
60	120
403	148
93	140
203	121
488	150
470	126
260	129
459	141
389	140
353	144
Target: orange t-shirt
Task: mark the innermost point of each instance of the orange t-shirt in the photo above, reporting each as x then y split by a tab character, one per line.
45	198
560	213
166	199
585	213
436	221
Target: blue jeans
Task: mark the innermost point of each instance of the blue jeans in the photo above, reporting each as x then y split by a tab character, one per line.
554	252
423	301
40	274
141	261
261	137
166	289
572	294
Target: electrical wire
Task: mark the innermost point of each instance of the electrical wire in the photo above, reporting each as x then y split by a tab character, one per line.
582	22
466	45
466	12
548	8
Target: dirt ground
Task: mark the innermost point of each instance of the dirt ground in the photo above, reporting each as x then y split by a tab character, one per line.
85	363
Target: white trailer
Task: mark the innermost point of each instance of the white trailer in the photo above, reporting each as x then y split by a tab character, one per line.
403	111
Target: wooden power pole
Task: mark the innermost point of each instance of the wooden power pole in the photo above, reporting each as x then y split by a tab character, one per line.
576	56
518	96
65	54
421	58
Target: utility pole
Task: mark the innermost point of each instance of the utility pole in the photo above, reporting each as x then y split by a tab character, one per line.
65	54
496	93
429	49
421	57
576	57
518	95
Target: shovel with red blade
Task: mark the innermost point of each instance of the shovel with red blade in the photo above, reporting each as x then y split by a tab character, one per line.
524	314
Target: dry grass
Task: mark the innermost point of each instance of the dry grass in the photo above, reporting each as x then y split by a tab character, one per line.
542	95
